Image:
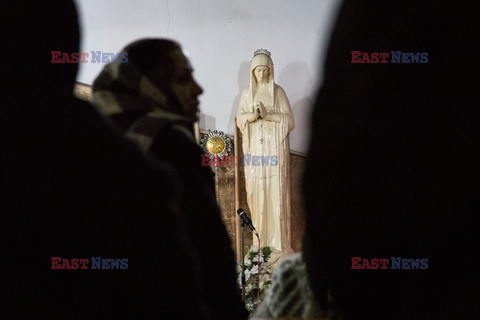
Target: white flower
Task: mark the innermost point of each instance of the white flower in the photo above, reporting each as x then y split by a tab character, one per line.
247	274
254	269
255	259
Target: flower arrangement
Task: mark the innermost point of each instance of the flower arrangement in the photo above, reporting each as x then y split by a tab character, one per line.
252	280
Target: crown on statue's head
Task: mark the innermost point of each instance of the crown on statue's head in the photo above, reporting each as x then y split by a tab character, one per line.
261	51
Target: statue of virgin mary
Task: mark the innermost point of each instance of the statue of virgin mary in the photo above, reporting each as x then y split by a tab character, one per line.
265	120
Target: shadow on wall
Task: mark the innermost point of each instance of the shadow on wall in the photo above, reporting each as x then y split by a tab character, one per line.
297	81
243	80
300	137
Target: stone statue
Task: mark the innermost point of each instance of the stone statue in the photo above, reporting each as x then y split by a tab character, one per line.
265	119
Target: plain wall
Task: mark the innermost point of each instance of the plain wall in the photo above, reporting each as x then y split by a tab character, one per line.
219	37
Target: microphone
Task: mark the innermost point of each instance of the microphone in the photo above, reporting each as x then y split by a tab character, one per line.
246	220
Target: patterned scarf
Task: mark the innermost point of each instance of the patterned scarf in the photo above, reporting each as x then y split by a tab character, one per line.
122	90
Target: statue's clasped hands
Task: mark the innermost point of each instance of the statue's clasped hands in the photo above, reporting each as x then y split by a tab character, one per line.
260	110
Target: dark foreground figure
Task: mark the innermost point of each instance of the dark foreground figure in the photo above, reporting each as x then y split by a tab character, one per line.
153	100
393	164
71	188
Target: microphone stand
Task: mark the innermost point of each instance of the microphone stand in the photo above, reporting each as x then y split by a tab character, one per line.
242	255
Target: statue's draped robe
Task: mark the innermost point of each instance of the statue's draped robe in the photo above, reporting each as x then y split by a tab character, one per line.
268	189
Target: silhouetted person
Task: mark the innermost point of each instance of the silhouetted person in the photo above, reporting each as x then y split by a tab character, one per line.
393	164
72	188
153	100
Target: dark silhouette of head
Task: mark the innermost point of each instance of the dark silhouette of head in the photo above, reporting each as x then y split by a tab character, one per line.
33	30
166	67
390	166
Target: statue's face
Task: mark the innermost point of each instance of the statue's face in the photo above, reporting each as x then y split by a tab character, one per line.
184	86
261	74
